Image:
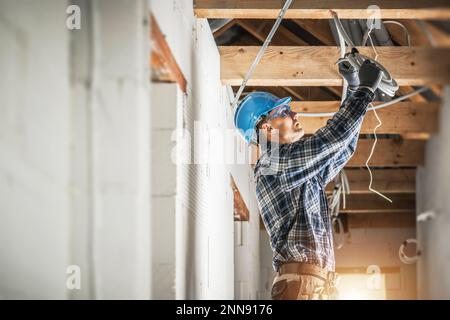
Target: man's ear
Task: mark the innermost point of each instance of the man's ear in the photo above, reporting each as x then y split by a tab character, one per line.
266	126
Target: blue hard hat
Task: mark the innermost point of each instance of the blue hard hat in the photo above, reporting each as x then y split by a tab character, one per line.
251	109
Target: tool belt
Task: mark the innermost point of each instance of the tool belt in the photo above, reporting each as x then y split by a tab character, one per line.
299	268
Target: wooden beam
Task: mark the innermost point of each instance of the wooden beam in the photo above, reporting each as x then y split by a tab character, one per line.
408	89
261	28
404	117
440	38
315	66
389	153
373	203
240	210
418	38
161	48
384	180
372	220
313	9
364	270
381	220
320	29
225	28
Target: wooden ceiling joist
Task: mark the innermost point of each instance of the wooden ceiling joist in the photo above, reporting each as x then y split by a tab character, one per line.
320	29
373	220
230	24
315	66
381	220
313	9
384	180
404	117
261	30
373	203
389	153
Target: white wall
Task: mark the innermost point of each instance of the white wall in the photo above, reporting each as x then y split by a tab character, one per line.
246	251
75	165
34	149
206	203
433	189
117	116
205	257
165	100
267	274
74	149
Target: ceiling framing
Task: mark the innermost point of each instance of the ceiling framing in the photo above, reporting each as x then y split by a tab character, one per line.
300	63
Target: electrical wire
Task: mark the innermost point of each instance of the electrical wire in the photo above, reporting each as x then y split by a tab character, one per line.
373	47
374	134
261	52
402	255
341	188
388	85
370	157
338	238
408	36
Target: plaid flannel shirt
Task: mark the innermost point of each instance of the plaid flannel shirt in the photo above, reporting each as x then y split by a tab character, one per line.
291	181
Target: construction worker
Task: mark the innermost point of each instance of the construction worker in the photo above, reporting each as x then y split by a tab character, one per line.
291	175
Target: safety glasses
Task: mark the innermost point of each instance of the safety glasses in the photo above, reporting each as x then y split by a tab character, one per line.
282	111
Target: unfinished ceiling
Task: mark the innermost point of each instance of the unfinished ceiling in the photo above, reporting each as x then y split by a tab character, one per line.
300	63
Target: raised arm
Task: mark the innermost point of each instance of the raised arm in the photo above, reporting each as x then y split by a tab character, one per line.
332	144
358	103
327	151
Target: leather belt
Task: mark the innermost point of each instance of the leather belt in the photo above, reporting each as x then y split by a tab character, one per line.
304	269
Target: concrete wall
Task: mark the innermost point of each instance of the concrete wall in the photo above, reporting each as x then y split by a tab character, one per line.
433	189
74	144
267	274
77	158
34	149
206	204
246	252
165	100
207	264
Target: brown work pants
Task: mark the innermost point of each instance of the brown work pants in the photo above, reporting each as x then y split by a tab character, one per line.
299	287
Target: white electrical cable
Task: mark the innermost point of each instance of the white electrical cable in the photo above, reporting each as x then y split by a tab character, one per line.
338	238
261	52
375	134
387	85
402	255
408	37
371	43
342	55
341	187
370	157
